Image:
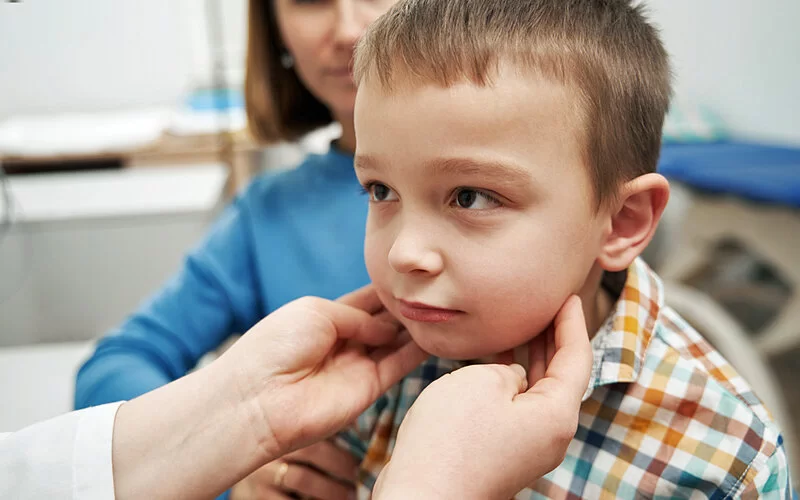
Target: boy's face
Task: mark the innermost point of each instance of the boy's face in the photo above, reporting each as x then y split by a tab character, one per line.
481	219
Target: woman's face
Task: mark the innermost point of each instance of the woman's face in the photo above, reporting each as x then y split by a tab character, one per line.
320	35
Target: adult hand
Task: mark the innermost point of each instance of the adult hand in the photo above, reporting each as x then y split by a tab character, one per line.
487	431
298	376
322	471
311	367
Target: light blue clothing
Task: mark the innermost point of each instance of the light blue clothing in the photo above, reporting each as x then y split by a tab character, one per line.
290	234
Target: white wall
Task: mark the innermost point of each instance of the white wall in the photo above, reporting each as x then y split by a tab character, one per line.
80	55
739	56
742	57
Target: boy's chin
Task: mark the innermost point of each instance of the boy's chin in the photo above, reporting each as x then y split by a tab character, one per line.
445	346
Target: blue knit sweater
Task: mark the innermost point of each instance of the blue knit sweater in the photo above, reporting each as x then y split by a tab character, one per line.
295	233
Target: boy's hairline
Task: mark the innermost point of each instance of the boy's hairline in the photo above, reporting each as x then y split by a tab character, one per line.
607	53
411	82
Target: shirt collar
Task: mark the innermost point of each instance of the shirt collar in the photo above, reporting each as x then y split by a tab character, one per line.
620	344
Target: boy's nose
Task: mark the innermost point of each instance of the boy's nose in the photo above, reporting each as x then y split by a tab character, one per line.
412	253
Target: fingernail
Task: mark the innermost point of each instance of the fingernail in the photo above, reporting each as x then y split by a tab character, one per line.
519	370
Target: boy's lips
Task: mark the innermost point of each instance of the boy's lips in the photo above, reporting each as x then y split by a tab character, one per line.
425	313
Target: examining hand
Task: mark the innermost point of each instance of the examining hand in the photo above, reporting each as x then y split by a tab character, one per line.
311	367
487	431
321	471
301	374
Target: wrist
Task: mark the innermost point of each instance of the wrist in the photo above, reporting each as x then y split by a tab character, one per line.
394	483
162	440
244	392
256	397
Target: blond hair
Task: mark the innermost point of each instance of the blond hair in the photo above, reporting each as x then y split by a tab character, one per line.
279	106
604	50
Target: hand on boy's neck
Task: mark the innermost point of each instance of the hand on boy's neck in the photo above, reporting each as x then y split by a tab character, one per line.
596	303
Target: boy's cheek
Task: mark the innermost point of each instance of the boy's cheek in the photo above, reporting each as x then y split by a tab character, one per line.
372	254
373	258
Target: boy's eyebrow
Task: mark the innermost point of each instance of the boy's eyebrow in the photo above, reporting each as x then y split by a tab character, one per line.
365	162
496	171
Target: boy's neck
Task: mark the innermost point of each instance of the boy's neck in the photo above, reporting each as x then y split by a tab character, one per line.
597	302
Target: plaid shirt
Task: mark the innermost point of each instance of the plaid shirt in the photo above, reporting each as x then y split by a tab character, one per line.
664	415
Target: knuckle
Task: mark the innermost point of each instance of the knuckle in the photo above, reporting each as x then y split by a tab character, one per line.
299	455
309	302
498	375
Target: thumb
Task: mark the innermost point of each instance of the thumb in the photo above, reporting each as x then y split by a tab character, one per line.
353	323
572	362
570	369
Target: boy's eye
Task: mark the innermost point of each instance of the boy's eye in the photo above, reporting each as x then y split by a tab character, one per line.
473	199
380	192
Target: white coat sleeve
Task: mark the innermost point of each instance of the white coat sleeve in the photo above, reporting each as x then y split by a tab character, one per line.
66	457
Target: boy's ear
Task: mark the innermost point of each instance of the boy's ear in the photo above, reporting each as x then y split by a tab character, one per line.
634	220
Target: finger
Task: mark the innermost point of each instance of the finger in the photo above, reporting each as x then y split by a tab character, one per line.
572	361
308	482
261	484
537	355
329	459
271	493
518	377
387	317
365	298
513	376
551	344
397	360
356	324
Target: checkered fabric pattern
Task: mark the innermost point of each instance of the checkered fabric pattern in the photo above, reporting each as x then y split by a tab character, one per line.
664	416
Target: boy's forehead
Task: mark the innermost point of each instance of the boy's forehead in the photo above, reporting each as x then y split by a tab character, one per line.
508	84
515	131
513	105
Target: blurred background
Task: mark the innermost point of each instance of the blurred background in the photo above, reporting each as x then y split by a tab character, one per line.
122	131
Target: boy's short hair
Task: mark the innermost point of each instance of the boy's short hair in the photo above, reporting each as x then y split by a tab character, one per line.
603	50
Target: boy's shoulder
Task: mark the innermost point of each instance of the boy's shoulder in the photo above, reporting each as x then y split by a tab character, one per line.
667	407
702	363
645	341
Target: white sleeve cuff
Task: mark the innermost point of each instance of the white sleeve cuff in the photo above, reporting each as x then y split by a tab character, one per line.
66	457
93	473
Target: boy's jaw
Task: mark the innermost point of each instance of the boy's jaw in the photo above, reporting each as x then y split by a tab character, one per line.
448	333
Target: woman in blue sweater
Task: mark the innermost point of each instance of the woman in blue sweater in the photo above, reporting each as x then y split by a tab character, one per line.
288	235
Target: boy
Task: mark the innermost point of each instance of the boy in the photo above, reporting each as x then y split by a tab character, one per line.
509	151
